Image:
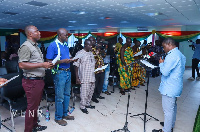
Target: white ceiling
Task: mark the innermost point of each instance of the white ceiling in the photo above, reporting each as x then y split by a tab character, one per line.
58	13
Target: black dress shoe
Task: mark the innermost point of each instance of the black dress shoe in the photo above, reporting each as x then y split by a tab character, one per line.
154	130
100	97
84	111
106	92
95	100
90	106
162	124
39	128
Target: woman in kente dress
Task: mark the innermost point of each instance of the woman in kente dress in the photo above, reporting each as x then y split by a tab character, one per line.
126	58
138	72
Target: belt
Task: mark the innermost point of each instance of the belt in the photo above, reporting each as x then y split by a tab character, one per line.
63	69
34	78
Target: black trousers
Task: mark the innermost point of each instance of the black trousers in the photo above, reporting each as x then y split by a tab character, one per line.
195	63
98	84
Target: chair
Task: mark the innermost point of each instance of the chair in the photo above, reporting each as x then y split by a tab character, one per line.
13	96
12	66
75	88
3	71
49	89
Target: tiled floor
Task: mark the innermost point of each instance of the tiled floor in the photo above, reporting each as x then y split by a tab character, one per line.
110	113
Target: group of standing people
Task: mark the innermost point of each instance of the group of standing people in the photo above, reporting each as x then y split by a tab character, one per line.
171	67
131	73
90	58
31	61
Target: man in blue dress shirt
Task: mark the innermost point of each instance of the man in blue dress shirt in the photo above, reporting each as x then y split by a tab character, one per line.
172	69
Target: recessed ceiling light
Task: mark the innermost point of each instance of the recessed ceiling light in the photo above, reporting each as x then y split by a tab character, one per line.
91	24
107	18
70	26
153	14
72	21
162	8
174	2
124	22
183	1
158	4
79	12
36	3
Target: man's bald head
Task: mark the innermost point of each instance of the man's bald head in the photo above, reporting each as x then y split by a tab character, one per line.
32	33
92	39
62	35
87	45
28	29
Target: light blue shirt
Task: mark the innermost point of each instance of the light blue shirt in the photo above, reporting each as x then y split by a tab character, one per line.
172	70
197	51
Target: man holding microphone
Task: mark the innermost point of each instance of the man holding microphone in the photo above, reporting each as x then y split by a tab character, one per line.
172	69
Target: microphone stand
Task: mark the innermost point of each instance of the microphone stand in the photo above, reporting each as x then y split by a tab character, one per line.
125	128
145	112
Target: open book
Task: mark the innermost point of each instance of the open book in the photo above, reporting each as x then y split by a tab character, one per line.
56	59
9	80
146	63
137	54
102	68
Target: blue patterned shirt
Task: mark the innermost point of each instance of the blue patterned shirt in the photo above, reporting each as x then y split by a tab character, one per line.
172	70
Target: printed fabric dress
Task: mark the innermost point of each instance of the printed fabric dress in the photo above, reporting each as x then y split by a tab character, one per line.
138	73
125	76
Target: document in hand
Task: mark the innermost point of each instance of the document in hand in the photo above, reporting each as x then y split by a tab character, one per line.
102	68
137	54
146	63
56	59
9	80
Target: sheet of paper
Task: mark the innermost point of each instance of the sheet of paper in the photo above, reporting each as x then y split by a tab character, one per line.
102	68
56	59
77	56
146	63
9	80
139	53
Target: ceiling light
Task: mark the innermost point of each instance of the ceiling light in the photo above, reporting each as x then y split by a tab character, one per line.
35	3
72	21
70	26
91	24
124	22
79	12
107	18
134	4
174	2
